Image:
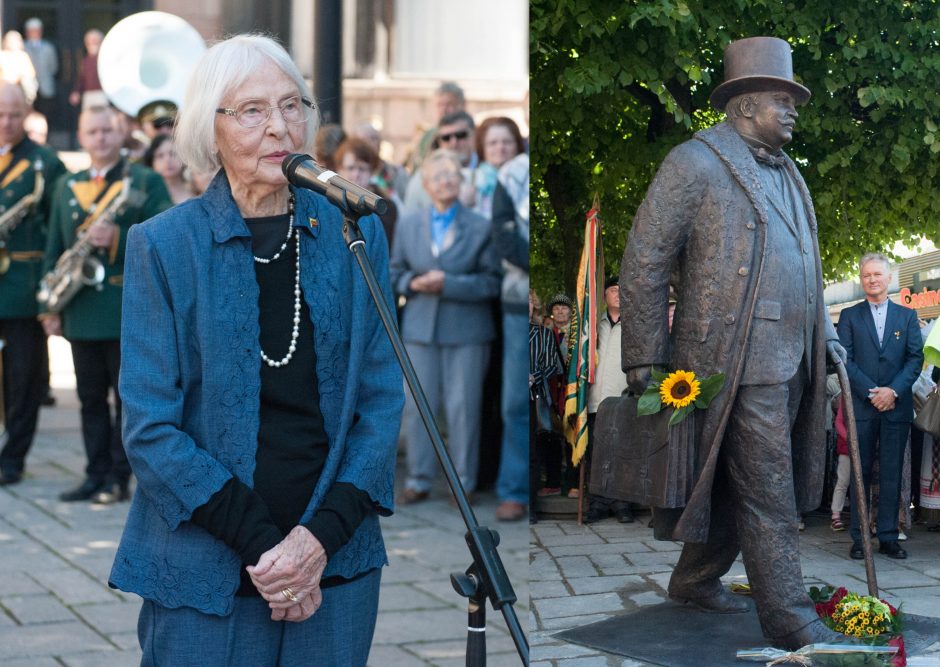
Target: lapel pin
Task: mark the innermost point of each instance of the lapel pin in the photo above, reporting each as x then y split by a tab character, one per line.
313	222
897	335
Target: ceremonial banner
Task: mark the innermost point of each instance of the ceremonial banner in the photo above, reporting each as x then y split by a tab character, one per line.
584	352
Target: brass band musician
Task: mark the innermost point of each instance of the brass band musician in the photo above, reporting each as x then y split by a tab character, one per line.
91	320
27	170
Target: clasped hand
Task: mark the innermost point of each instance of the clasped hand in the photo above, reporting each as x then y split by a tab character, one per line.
431	282
297	563
882	398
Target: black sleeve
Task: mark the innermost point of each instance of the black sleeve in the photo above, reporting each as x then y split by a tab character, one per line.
344	508
508	242
239	517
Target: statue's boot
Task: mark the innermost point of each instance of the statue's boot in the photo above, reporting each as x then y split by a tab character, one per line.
814	633
721	602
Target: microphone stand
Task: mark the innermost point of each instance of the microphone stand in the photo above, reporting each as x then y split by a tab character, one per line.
486	577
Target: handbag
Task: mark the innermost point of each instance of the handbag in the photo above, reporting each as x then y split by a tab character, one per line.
928	417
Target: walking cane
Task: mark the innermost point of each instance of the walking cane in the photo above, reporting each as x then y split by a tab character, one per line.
858	485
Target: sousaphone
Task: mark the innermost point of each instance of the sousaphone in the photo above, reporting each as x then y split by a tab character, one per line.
148	57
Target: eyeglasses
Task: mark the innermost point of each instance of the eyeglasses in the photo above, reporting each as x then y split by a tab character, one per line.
460	135
252	113
442	176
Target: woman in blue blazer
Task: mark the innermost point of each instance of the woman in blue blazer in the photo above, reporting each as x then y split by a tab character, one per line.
261	395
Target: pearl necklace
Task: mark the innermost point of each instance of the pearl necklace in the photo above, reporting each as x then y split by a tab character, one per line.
290	230
296	331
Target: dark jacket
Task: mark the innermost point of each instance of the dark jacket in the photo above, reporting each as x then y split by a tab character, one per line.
895	362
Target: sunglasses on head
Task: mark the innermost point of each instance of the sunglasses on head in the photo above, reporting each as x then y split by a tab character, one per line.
459	134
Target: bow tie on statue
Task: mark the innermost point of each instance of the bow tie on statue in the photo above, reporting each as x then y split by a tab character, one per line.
764	156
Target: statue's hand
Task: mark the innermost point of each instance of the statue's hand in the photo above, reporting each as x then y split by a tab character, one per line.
638	379
834	349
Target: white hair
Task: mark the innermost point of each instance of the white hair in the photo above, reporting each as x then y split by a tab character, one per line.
223	68
441	155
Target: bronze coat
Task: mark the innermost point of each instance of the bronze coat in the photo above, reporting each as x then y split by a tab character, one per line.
703	227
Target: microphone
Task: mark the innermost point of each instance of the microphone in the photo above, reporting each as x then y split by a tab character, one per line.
302	171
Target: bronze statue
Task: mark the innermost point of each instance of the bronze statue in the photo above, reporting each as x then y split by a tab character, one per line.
729	222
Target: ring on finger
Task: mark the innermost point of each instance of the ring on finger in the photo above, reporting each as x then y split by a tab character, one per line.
289	594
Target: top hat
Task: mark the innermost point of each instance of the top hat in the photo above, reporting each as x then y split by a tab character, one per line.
758	64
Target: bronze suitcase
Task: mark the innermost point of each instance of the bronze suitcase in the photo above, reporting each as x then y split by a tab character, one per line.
642	459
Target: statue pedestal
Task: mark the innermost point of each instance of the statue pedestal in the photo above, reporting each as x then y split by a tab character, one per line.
675	635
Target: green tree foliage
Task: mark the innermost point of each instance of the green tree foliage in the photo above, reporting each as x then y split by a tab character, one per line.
616	84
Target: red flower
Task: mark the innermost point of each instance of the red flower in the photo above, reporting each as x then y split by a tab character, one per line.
900	658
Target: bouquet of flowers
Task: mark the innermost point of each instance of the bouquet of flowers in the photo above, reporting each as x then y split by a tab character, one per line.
682	390
873	621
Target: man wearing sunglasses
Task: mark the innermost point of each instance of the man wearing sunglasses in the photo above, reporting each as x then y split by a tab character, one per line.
455	133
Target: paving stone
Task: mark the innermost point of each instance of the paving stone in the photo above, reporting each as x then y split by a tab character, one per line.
654	558
547	589
110	618
19	585
398	597
559	651
74	587
578	605
554	625
127	641
392	656
543	568
576	566
628	548
492	660
110	658
570	540
49	639
646	599
436	652
583	585
593	661
37	609
406	627
33	662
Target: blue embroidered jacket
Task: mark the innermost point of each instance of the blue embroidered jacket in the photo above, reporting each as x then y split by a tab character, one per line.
190	383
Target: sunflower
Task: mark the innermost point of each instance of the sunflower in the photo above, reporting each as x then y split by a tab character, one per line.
679	389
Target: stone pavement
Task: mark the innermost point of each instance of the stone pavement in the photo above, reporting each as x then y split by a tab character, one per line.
57	610
582	574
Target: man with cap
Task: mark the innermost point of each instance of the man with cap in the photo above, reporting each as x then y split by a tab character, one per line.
609	380
730	219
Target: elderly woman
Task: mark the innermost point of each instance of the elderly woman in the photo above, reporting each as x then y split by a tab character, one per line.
261	395
443	262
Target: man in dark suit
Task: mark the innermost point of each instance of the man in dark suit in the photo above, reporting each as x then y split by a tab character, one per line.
885	355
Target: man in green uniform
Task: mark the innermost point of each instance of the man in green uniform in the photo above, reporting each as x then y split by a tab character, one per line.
21	252
91	321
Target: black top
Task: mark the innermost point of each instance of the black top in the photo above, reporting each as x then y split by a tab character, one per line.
292	442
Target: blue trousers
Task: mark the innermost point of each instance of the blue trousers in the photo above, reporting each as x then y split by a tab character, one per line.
513	480
339	634
892	439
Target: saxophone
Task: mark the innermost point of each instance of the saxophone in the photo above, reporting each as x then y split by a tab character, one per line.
15	215
79	266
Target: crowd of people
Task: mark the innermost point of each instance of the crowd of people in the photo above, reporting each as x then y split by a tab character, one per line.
898	459
143	262
456	230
